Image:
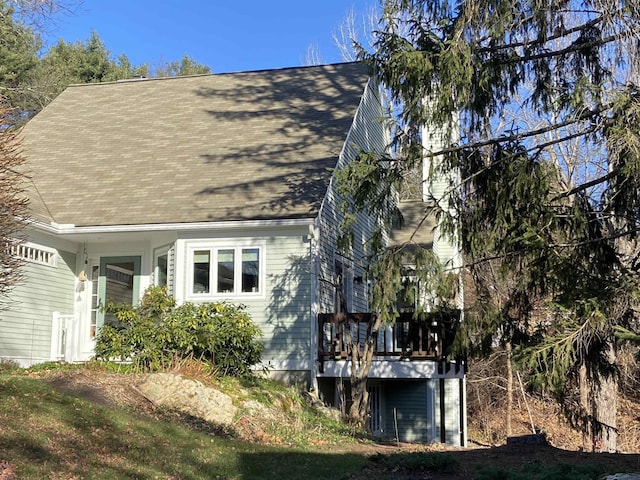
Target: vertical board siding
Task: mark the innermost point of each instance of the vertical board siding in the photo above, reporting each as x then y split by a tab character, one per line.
452	411
407	407
25	326
367	134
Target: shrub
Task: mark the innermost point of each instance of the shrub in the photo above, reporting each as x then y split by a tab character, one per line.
157	333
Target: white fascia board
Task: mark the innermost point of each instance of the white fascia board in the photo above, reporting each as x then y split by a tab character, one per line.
67	228
393	369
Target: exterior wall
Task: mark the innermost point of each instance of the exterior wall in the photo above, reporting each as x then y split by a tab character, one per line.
408	410
367	134
411	394
26	324
448	411
438	190
282	310
413	409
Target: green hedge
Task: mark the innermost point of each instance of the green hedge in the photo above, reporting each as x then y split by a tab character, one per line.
157	333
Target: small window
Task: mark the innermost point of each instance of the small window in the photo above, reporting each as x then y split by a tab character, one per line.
250	270
230	270
162	270
201	270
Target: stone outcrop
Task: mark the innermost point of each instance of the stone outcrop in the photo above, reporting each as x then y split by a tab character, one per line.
188	396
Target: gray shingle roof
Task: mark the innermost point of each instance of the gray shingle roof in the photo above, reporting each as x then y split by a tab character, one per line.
252	145
417	227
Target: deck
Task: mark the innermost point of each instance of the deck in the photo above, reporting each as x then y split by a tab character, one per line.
429	339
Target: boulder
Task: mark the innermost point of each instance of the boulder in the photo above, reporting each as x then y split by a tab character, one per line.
188	396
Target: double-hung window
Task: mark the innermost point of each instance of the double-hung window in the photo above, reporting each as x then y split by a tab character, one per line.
227	270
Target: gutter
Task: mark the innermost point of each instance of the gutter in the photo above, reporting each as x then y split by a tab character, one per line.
69	228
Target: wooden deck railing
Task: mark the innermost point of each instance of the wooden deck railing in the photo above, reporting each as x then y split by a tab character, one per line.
407	339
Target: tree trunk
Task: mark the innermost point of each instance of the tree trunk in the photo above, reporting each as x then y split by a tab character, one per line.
599	405
361	361
359	401
604	390
585	408
508	351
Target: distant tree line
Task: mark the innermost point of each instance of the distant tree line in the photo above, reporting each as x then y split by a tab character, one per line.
30	78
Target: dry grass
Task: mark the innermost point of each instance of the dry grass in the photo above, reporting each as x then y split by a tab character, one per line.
274	424
487	410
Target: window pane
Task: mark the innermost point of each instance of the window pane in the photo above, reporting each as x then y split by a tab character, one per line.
201	268
225	271
250	269
162	269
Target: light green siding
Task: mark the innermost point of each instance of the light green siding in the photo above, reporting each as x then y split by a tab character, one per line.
438	189
285	315
415	408
283	310
367	134
450	410
25	326
407	405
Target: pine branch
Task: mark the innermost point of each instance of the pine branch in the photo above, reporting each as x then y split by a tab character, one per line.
584	186
542	40
516	137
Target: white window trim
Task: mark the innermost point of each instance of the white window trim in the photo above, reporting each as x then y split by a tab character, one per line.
213	247
158	252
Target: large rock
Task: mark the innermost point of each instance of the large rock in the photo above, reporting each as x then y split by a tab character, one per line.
188	396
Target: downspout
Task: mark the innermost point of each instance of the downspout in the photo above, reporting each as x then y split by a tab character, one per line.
315	304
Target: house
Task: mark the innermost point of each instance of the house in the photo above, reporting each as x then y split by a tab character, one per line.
219	187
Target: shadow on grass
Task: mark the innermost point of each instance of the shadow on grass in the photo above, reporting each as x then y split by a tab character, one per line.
47	434
497	463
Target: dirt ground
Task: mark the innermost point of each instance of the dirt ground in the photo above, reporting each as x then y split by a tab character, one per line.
564	444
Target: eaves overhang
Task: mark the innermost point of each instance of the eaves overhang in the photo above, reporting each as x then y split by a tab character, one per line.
71	231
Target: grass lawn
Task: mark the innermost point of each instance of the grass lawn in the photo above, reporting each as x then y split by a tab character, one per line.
47	434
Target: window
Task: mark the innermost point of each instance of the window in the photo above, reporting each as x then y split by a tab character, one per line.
162	270
343	296
226	270
201	269
250	269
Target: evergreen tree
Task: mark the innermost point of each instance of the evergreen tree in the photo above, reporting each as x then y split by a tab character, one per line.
539	110
13	206
83	62
18	59
186	66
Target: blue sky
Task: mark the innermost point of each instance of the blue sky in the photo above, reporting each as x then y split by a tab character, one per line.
226	35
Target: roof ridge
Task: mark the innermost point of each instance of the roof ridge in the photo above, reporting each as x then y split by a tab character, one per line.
215	74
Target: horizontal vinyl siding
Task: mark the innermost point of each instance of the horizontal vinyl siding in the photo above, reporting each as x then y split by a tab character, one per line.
444	249
367	134
286	324
25	327
439	187
283	312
